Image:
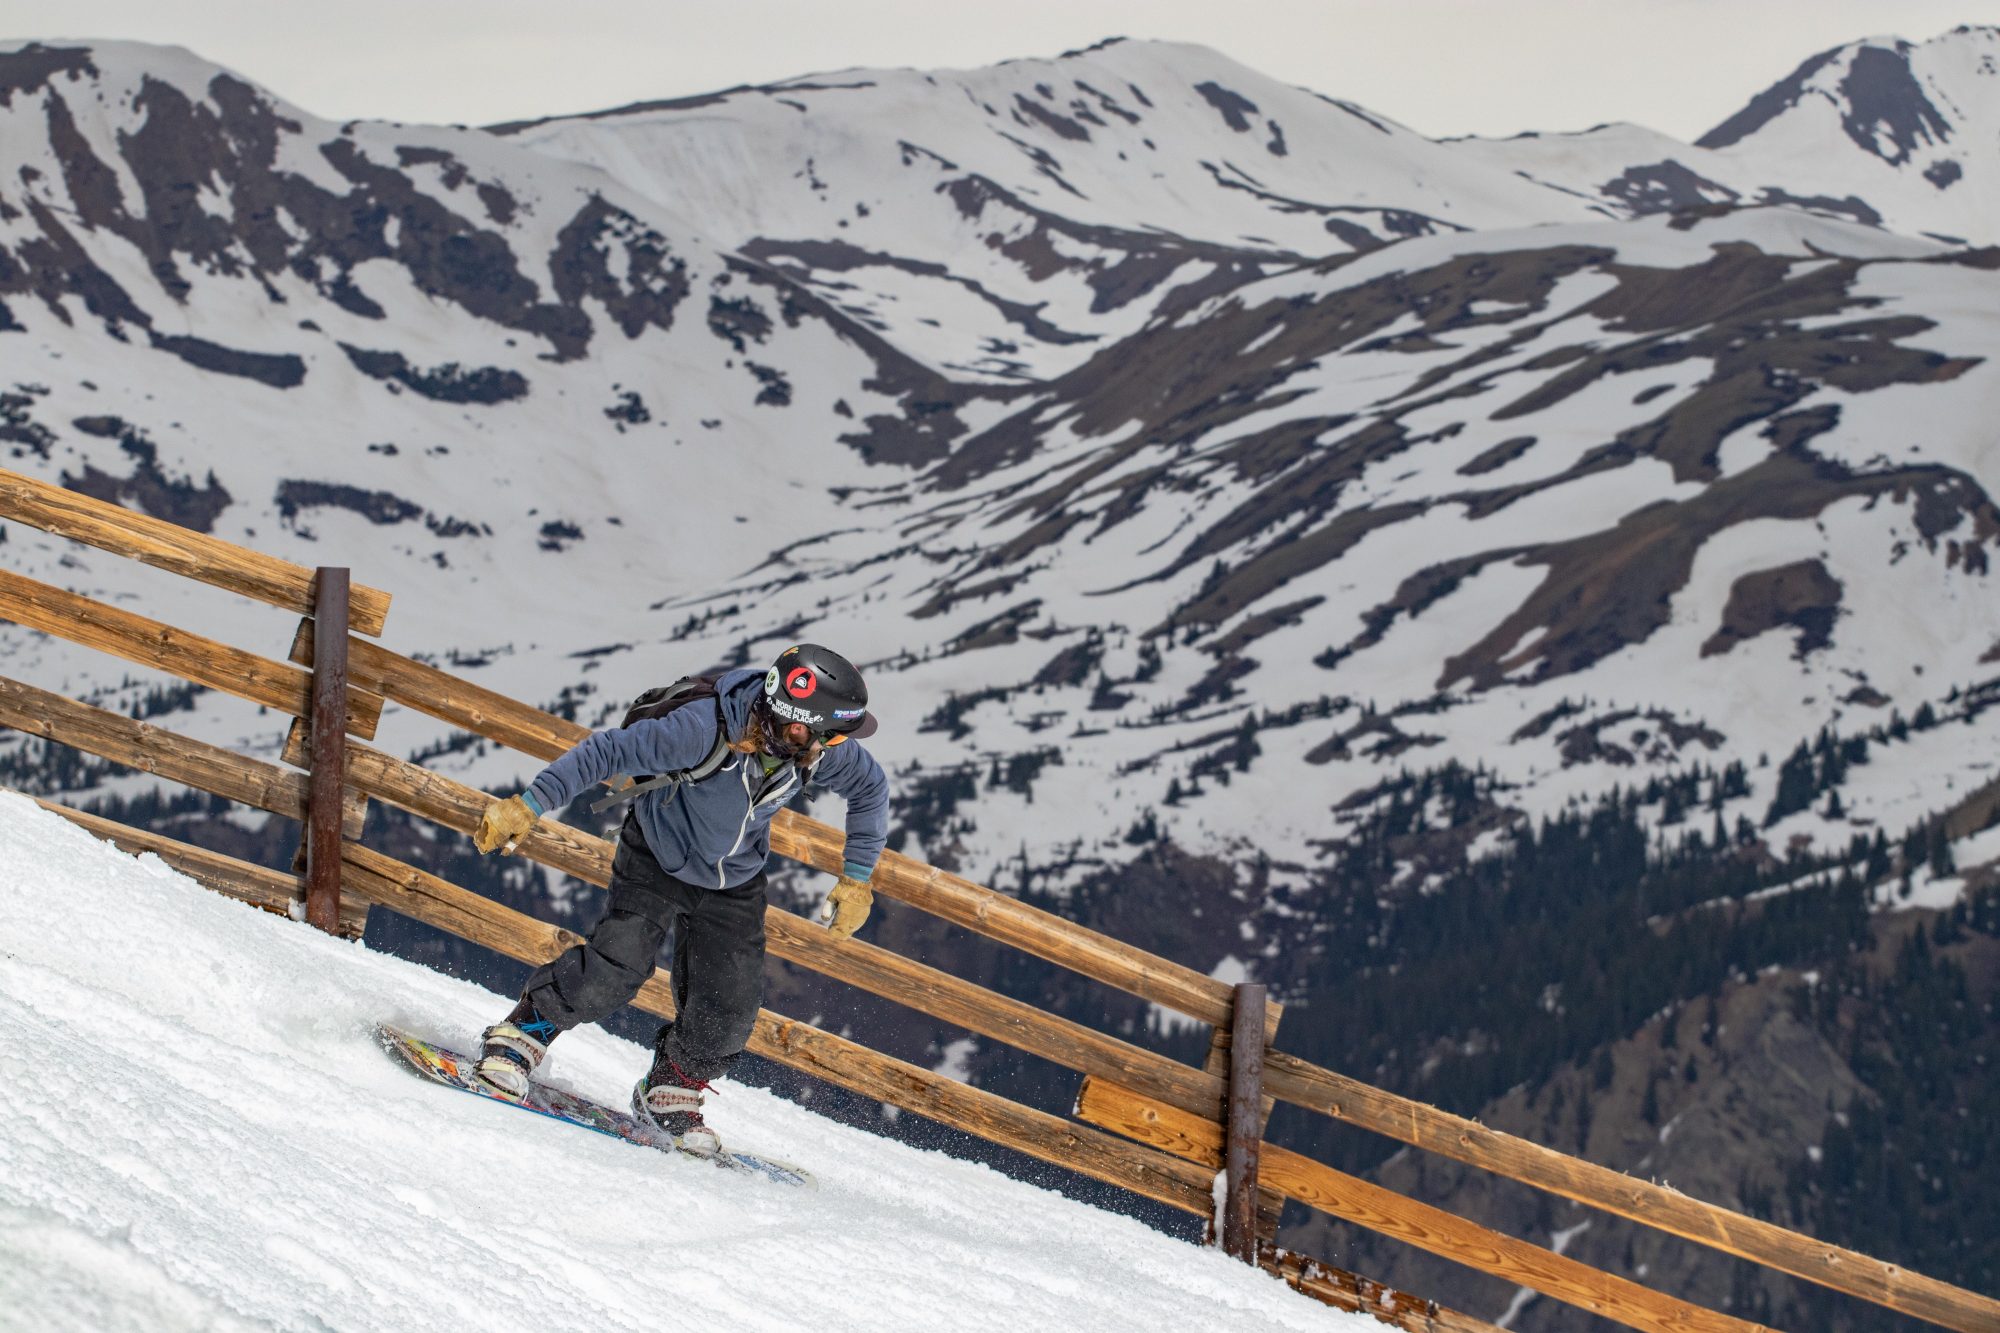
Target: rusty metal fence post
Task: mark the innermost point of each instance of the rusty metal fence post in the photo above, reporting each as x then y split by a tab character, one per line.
329	748
1245	1122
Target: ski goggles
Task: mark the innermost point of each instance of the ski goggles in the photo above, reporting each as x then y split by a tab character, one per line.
799	735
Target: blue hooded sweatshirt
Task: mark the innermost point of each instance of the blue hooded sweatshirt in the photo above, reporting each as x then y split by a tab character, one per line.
717	832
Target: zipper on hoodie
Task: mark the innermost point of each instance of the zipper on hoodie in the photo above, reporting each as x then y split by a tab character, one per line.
756	797
749	808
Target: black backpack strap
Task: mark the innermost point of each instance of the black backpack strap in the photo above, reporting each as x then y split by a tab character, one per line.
717	753
632	790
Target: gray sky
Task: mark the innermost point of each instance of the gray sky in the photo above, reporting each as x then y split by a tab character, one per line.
1444	67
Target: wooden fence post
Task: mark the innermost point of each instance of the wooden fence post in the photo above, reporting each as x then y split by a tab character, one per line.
1245	1122
329	749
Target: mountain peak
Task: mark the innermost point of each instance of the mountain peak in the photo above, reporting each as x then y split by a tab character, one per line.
1893	97
28	66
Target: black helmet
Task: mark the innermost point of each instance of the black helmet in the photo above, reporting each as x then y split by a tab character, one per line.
820	688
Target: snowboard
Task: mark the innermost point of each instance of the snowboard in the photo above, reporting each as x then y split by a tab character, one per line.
438	1065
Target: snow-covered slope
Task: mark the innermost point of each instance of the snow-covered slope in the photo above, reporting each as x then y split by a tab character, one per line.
199	1135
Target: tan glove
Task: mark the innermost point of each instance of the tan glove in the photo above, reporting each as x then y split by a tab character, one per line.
846	907
503	823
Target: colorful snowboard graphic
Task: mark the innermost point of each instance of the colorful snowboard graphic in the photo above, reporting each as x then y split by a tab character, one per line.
453	1070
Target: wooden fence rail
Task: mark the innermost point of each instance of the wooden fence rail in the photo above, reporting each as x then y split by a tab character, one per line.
1346	1291
1294	1080
150	749
149	643
1368	1205
1285	1077
1148	1098
439	694
168	546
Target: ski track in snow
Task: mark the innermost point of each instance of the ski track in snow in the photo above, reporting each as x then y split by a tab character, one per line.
199	1134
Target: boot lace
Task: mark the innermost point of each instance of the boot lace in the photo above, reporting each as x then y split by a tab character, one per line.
697	1084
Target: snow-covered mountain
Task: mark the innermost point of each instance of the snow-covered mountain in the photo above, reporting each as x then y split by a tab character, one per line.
1576	501
1008	222
206	1139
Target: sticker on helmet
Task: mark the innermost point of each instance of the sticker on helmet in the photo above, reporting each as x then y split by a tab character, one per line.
791	712
801	683
848	712
771	681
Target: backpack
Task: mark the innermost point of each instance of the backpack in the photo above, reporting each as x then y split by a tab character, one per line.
658	702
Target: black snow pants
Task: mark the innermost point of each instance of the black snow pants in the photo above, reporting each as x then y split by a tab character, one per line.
718	965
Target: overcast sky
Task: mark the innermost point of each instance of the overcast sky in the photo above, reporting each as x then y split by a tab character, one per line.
1444	67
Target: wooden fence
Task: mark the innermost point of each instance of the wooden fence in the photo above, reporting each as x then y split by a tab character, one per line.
1143	1122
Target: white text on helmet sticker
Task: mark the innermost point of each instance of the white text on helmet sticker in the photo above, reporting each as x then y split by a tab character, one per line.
791	712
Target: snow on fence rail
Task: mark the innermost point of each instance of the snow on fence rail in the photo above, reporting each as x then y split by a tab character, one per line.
1169	1121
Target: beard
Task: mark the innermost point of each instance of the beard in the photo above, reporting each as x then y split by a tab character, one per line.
764	736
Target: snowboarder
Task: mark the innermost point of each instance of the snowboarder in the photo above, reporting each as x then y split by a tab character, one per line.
691	856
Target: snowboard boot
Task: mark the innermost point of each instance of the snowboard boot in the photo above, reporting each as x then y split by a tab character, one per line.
670	1102
511	1049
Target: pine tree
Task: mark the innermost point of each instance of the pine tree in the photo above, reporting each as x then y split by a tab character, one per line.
1795	785
1879	863
1601	1069
1942	863
1247	747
